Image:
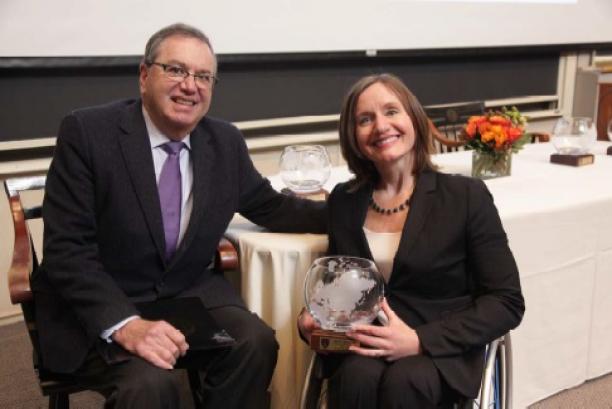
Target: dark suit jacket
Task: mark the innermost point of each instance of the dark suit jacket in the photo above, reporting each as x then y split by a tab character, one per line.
104	238
454	278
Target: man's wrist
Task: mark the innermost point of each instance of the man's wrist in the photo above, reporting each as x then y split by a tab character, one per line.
108	333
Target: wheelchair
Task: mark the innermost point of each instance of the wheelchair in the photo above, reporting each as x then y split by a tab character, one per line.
495	388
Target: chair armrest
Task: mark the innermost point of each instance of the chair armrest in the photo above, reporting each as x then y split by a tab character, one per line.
21	265
226	256
437	135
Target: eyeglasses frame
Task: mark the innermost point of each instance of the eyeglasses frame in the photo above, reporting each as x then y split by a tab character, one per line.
181	78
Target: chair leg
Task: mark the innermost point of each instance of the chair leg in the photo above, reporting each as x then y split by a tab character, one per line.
59	401
195	385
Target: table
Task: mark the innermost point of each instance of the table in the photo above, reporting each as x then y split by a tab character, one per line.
559	224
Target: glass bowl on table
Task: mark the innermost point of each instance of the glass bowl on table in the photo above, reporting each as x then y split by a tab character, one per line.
574	135
573	138
304	169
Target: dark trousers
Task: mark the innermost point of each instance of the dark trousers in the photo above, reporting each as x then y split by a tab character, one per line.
358	382
236	379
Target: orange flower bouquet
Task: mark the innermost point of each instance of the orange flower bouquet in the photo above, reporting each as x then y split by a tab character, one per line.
493	137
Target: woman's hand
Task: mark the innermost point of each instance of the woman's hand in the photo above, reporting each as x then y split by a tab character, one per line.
306	324
391	342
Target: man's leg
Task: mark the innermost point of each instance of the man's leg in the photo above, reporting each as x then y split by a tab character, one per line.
241	377
132	384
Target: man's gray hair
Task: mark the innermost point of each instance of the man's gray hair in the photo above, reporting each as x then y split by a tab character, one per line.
177	29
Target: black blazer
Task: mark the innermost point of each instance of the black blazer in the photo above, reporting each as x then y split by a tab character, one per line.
454	279
104	237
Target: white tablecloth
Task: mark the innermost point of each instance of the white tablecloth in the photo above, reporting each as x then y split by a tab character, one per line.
559	224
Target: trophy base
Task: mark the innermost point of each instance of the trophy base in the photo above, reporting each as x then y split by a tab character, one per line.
331	341
320	194
609	151
572	160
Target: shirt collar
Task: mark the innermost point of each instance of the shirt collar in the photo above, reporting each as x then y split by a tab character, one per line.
156	137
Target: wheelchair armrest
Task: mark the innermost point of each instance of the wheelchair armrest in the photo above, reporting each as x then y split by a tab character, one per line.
22	263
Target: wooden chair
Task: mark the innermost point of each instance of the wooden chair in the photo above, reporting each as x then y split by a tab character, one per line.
447	124
59	386
495	389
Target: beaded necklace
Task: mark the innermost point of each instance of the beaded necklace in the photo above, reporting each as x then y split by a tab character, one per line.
389	212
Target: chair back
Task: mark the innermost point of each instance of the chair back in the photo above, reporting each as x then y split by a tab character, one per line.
25	260
447	122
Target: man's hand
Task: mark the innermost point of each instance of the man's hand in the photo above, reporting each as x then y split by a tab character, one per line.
391	342
155	341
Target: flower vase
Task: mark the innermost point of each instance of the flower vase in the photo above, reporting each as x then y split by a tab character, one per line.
489	165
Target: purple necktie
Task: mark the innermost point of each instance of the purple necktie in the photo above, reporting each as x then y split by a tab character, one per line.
170	195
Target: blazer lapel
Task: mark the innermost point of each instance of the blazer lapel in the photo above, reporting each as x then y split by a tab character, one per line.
202	160
136	151
419	210
360	211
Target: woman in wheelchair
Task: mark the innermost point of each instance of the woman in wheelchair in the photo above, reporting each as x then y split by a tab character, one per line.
452	284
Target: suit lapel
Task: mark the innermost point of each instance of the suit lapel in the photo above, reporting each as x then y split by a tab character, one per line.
360	211
202	159
136	151
419	210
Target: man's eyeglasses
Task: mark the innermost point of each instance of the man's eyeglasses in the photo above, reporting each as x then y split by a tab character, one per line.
178	74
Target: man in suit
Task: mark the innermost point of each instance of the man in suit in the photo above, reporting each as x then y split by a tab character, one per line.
138	195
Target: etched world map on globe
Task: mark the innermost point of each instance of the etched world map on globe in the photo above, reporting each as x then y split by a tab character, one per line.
341	291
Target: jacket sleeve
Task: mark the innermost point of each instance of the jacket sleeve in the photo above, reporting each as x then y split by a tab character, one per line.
263	205
71	263
498	304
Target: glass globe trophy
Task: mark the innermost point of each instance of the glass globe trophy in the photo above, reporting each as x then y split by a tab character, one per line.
339	292
573	138
304	169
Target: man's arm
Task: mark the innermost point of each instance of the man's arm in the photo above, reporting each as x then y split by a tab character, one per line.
71	255
263	205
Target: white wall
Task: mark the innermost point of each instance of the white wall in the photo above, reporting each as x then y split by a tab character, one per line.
120	27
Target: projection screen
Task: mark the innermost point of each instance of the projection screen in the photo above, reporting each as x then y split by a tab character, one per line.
34	28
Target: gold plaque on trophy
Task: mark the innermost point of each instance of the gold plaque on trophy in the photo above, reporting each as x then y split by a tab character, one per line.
331	341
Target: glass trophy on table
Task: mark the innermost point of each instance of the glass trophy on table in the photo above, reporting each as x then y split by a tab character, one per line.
339	292
304	169
573	138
